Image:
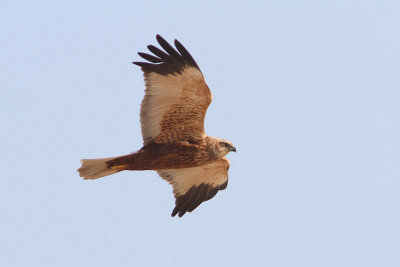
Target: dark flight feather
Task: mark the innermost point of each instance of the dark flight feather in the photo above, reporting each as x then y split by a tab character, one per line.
169	62
194	197
150	58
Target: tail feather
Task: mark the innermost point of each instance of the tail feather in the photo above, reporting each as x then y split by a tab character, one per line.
96	168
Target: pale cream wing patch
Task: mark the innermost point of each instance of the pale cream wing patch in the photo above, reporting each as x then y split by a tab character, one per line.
174	106
192	186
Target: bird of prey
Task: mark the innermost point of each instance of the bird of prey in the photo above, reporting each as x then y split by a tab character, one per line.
172	122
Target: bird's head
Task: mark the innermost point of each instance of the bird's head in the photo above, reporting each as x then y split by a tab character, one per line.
224	147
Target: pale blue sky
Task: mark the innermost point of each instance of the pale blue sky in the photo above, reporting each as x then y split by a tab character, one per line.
308	91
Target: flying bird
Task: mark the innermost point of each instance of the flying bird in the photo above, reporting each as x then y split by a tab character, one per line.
172	123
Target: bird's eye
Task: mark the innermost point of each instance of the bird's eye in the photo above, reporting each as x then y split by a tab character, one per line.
224	144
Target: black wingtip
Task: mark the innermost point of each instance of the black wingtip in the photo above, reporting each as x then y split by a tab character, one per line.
174	212
185	54
159	37
150	58
170	60
179	212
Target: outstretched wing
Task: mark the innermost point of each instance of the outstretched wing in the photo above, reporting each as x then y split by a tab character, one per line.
176	96
192	186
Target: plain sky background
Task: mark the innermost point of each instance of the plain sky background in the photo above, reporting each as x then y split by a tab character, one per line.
308	91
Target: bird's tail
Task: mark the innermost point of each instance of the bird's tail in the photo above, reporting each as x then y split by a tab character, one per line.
96	168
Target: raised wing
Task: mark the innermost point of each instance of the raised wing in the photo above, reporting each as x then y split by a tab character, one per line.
192	186
176	96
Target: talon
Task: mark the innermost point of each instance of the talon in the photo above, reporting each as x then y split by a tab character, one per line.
119	167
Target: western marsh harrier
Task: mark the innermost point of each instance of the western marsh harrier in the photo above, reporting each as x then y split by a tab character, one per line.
172	121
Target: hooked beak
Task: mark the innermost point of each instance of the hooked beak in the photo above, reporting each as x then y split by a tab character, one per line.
233	149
